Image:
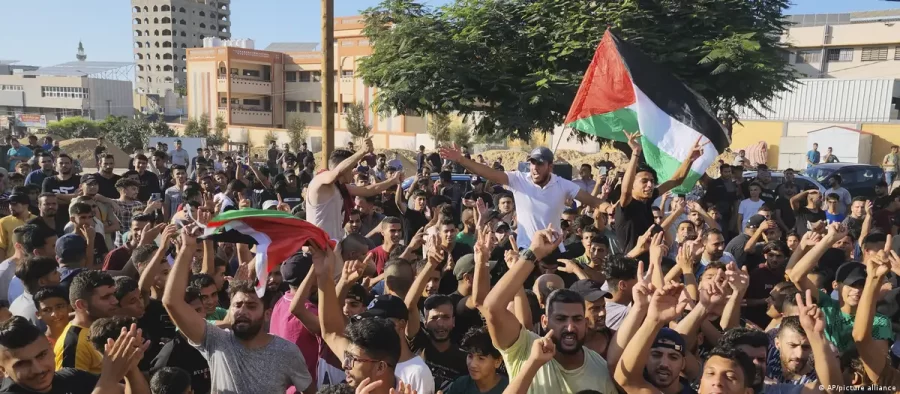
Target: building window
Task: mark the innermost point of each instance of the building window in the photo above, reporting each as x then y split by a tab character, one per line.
251	73
840	55
9	88
290	106
347	74
317	107
305	76
223	101
316	76
235	101
874	54
290	76
305	106
812	56
345	107
64	92
897	53
252	102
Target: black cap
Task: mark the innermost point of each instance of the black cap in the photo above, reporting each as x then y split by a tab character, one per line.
18	199
492	214
71	246
387	307
755	221
89	178
358	292
477	180
295	268
541	155
590	290
501	226
669	339
851	273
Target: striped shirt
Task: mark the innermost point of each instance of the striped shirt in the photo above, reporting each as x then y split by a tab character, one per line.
73	349
128	212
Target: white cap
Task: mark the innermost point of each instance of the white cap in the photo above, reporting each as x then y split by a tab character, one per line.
270	204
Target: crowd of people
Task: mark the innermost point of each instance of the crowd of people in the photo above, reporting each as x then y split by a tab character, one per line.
504	282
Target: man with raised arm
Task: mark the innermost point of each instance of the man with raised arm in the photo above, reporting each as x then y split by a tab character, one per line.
540	193
877	364
633	214
329	198
574	367
245	340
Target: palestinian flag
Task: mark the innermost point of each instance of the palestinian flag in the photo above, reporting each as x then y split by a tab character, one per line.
277	236
625	91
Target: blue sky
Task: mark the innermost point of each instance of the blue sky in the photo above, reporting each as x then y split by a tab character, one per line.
46	32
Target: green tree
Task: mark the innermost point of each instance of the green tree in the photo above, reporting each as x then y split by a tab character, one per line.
181	89
74	127
270	138
297	132
519	63
192	128
355	117
439	128
460	135
218	137
160	129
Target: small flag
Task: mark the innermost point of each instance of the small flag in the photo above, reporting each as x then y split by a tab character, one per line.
625	91
277	236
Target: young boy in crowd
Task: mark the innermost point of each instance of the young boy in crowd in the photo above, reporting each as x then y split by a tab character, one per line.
53	309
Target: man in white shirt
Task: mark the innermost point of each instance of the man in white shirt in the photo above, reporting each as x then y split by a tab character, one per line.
180	156
587	181
845	198
540	193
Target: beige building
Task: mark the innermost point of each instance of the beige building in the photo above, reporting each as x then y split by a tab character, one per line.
260	90
847	46
163	30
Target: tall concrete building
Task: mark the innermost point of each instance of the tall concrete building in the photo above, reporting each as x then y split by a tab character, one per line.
163	31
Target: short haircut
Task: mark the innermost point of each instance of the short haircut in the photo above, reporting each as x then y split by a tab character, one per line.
582	222
142	255
202	281
391	220
47	195
600	239
160	155
709	232
570	211
562	296
337	156
791	323
18	332
145	218
478	341
84	284
833	197
66	156
739	336
739	357
107	328
377	337
620	267
46	293
124	285
398	276
179	167
245	287
355	243
862	199
79	208
107	156
170	380
433	302
33	236
191	294
33	269
126	183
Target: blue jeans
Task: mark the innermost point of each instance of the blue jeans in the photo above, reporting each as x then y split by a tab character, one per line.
889	178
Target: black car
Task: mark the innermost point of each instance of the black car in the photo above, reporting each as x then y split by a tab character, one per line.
858	179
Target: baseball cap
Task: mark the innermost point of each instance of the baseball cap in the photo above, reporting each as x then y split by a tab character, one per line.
669	339
18	199
358	292
477	180
71	246
270	204
177	141
755	221
88	178
491	215
501	226
295	268
541	155
386	307
466	265
851	273
589	290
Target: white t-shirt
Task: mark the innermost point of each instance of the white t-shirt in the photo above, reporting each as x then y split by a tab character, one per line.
748	208
845	200
538	206
415	373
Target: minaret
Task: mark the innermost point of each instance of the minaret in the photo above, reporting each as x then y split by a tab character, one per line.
81	56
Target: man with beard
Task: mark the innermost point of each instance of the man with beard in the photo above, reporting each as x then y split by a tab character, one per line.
49	205
763	280
65	184
655	366
599	335
795	352
807	206
245	341
37	177
329	196
92	295
149	181
574	367
540	193
106	179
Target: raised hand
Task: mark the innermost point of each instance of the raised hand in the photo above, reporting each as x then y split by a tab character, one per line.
811	317
154	205
451	153
810	239
543	349
352	270
544	242
737	279
244	203
870	207
685	258
697	151
484	245
123	354
367	386
643	289
567	266
664	305
714	294
88	232
658	248
369	146
634	142
510	257
643	241
403	389
282	206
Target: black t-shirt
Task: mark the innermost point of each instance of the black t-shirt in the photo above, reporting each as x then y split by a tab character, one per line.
464	317
149	185
787	213
415	220
55	185
448	282
736	248
158	328
445	366
179	353
803	215
107	187
59	221
65	381
272	156
633	220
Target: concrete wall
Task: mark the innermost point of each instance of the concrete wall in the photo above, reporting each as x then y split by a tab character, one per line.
752	132
883	136
110	97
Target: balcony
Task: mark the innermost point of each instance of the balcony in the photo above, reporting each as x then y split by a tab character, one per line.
249	116
250	86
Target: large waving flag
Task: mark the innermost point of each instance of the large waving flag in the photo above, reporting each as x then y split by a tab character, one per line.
625	91
277	236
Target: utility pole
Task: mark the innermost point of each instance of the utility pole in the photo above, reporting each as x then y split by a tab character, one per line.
327	79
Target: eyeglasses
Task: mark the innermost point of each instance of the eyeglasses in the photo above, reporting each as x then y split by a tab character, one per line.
350	360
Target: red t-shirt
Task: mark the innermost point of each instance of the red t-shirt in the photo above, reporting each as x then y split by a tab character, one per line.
284	324
116	259
381	257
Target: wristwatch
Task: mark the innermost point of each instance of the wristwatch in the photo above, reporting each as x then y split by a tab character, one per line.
527	254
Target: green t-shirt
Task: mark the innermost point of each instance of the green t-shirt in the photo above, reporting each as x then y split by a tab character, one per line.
839	325
465	385
219	314
463	238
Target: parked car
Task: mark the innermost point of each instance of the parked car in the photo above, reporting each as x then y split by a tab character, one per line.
858	179
803	182
463	180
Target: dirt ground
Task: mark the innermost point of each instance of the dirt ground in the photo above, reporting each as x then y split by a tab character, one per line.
83	150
